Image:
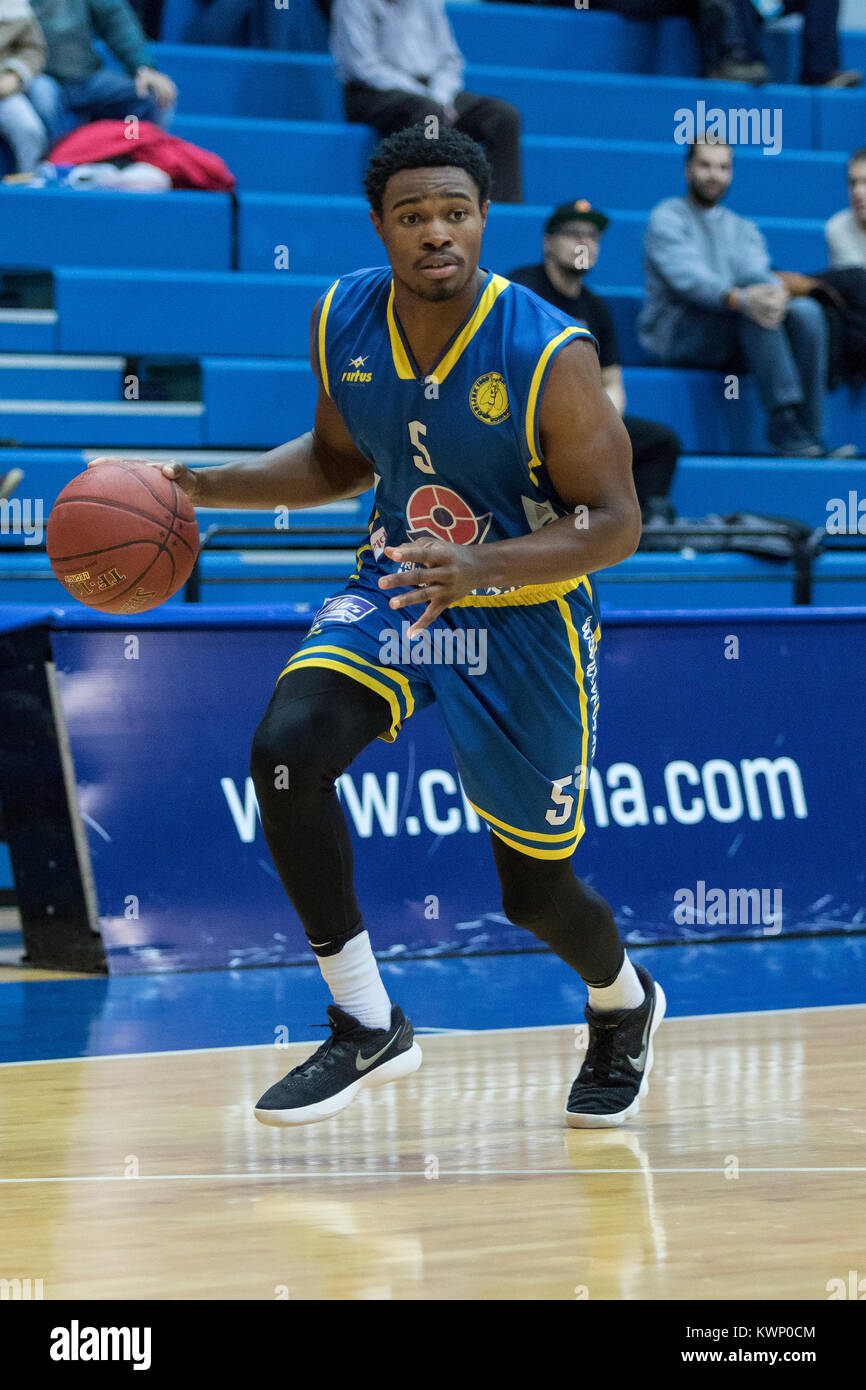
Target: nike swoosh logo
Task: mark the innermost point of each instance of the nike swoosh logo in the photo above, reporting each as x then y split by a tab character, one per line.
362	1063
638	1062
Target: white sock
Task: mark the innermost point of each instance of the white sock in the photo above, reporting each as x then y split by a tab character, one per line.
626	992
354	981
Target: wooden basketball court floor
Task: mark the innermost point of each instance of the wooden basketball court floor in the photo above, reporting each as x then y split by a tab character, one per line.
146	1176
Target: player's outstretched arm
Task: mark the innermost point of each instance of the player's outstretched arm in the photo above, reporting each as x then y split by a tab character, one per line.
320	466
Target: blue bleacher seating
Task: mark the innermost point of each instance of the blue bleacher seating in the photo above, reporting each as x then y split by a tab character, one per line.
194	276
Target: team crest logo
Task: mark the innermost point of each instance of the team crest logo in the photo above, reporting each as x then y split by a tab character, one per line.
489	398
440	512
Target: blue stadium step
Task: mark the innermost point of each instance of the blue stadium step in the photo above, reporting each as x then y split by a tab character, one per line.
28	330
47	472
187	314
326	156
645	581
44	227
330	156
800	488
558	169
334	235
245	82
548	38
91	423
840	118
254	404
693	403
259	404
60	378
239	314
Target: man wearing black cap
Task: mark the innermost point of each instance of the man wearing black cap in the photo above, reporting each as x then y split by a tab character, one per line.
571	245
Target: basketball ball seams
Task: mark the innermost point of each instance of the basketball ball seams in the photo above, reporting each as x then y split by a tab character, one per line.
156	524
132	511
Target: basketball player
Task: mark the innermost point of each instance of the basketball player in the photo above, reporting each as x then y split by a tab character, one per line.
502	478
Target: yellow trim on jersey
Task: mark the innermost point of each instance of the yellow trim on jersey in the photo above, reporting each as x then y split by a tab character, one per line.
398	352
358	553
542	853
528	593
323	365
532	402
396	676
527	834
574	643
495	286
492	291
345	669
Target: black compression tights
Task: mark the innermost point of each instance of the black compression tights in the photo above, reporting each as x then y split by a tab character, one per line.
316	724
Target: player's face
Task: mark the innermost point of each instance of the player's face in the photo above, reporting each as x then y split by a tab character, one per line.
432	225
709	173
857	189
574	246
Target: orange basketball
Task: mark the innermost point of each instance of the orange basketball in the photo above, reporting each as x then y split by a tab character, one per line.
122	538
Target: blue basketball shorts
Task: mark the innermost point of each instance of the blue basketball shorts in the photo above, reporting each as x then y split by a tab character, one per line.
516	683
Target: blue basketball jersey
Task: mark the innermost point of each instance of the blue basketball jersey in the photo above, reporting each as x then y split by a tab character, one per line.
456	454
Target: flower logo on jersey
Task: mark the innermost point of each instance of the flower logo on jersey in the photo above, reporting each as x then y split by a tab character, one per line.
440	512
489	399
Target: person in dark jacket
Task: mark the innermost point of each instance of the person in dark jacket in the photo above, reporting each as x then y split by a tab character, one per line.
572	238
76	87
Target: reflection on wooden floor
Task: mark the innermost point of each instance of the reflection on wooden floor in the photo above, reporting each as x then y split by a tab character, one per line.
461	1183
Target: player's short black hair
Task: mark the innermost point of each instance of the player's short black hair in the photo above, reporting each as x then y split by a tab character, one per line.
411	149
857	157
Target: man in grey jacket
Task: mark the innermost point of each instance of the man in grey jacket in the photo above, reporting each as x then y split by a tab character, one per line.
846	230
713	301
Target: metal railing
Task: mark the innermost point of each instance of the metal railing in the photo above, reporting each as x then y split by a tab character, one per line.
801	549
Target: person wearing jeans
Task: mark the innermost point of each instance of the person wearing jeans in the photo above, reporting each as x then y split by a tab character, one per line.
713	301
77	88
22	54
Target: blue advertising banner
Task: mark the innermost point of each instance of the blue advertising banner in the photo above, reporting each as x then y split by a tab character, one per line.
727	799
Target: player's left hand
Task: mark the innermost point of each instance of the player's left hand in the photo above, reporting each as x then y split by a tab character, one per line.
444	572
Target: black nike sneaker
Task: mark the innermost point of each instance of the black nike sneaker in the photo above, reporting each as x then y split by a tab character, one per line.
352	1057
618	1061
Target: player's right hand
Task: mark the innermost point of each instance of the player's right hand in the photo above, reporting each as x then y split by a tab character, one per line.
178	472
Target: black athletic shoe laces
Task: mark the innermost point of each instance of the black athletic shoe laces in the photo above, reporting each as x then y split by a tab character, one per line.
606	1054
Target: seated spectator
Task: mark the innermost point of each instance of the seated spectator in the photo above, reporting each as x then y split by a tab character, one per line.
721	28
713	301
22	55
300	28
399	63
819	60
846	230
76	88
572	237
